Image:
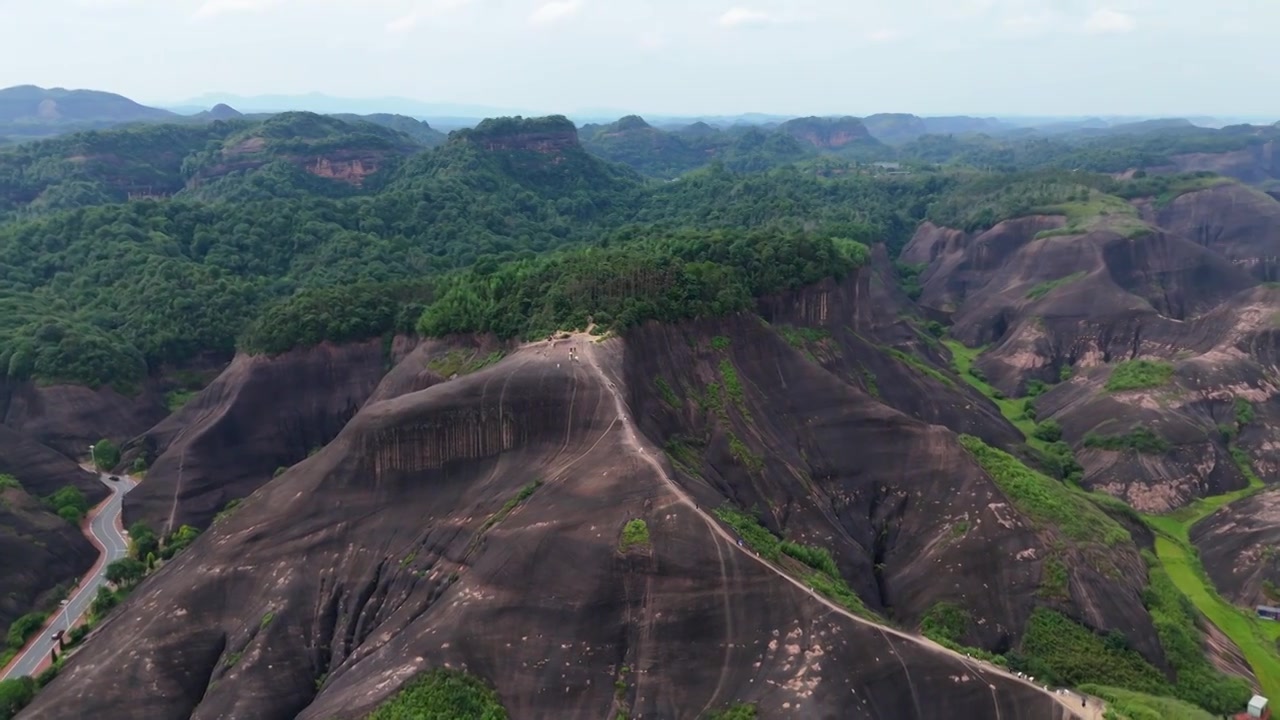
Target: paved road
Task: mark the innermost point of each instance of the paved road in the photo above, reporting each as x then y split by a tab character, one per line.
1093	710
104	531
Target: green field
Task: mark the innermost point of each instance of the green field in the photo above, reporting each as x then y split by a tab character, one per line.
1256	638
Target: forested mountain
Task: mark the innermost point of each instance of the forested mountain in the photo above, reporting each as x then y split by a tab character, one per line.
740	386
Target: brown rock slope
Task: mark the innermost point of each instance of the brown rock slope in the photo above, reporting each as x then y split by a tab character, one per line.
1238	549
38	550
1185	293
397	548
260	414
69	418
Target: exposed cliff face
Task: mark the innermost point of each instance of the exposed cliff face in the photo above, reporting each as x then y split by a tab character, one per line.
1238	549
1185	293
38	550
69	418
260	414
389	552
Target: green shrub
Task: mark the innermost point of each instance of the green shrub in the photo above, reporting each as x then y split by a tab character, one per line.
817	558
1061	652
751	531
69	503
1049	286
666	393
1139	375
142	540
1044	500
442	695
1243	411
1141	439
1048	431
946	622
742	711
919	365
1036	388
634	534
24	627
9	482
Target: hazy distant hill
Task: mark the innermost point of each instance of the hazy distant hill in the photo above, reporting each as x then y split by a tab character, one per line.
36	105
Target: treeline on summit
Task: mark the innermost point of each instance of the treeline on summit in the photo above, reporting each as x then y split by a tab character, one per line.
670	279
110	293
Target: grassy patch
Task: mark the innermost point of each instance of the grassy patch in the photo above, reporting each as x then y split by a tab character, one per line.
9	482
1054	580
1139	375
667	394
870	379
1097	210
1130	705
683	454
825	578
1049	286
1175	619
1141	439
733	387
635	534
175	399
919	365
1044	500
743	455
441	695
962	359
525	493
462	362
741	711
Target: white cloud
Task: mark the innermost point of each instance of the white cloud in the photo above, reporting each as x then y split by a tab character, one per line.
883	35
554	11
212	8
737	16
409	21
1106	20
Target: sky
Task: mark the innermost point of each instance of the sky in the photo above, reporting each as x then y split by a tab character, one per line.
673	57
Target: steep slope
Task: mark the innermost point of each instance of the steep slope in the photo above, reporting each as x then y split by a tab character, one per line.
39	550
1053	298
321	619
1237	546
69	418
270	412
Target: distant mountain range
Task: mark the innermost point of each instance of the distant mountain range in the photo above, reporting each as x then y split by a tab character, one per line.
27	112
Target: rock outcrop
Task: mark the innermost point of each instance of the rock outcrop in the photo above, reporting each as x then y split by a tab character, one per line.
1185	291
476	524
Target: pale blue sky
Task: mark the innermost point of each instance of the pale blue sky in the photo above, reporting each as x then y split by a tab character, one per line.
1030	57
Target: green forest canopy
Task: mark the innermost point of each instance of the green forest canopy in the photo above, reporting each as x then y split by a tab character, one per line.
98	291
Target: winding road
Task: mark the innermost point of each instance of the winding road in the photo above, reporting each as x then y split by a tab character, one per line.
1092	709
105	531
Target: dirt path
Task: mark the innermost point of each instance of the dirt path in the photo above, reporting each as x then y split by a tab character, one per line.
587	348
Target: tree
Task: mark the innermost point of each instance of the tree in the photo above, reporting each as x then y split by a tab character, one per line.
126	572
105	455
103	602
14	695
142	540
1048	431
179	541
